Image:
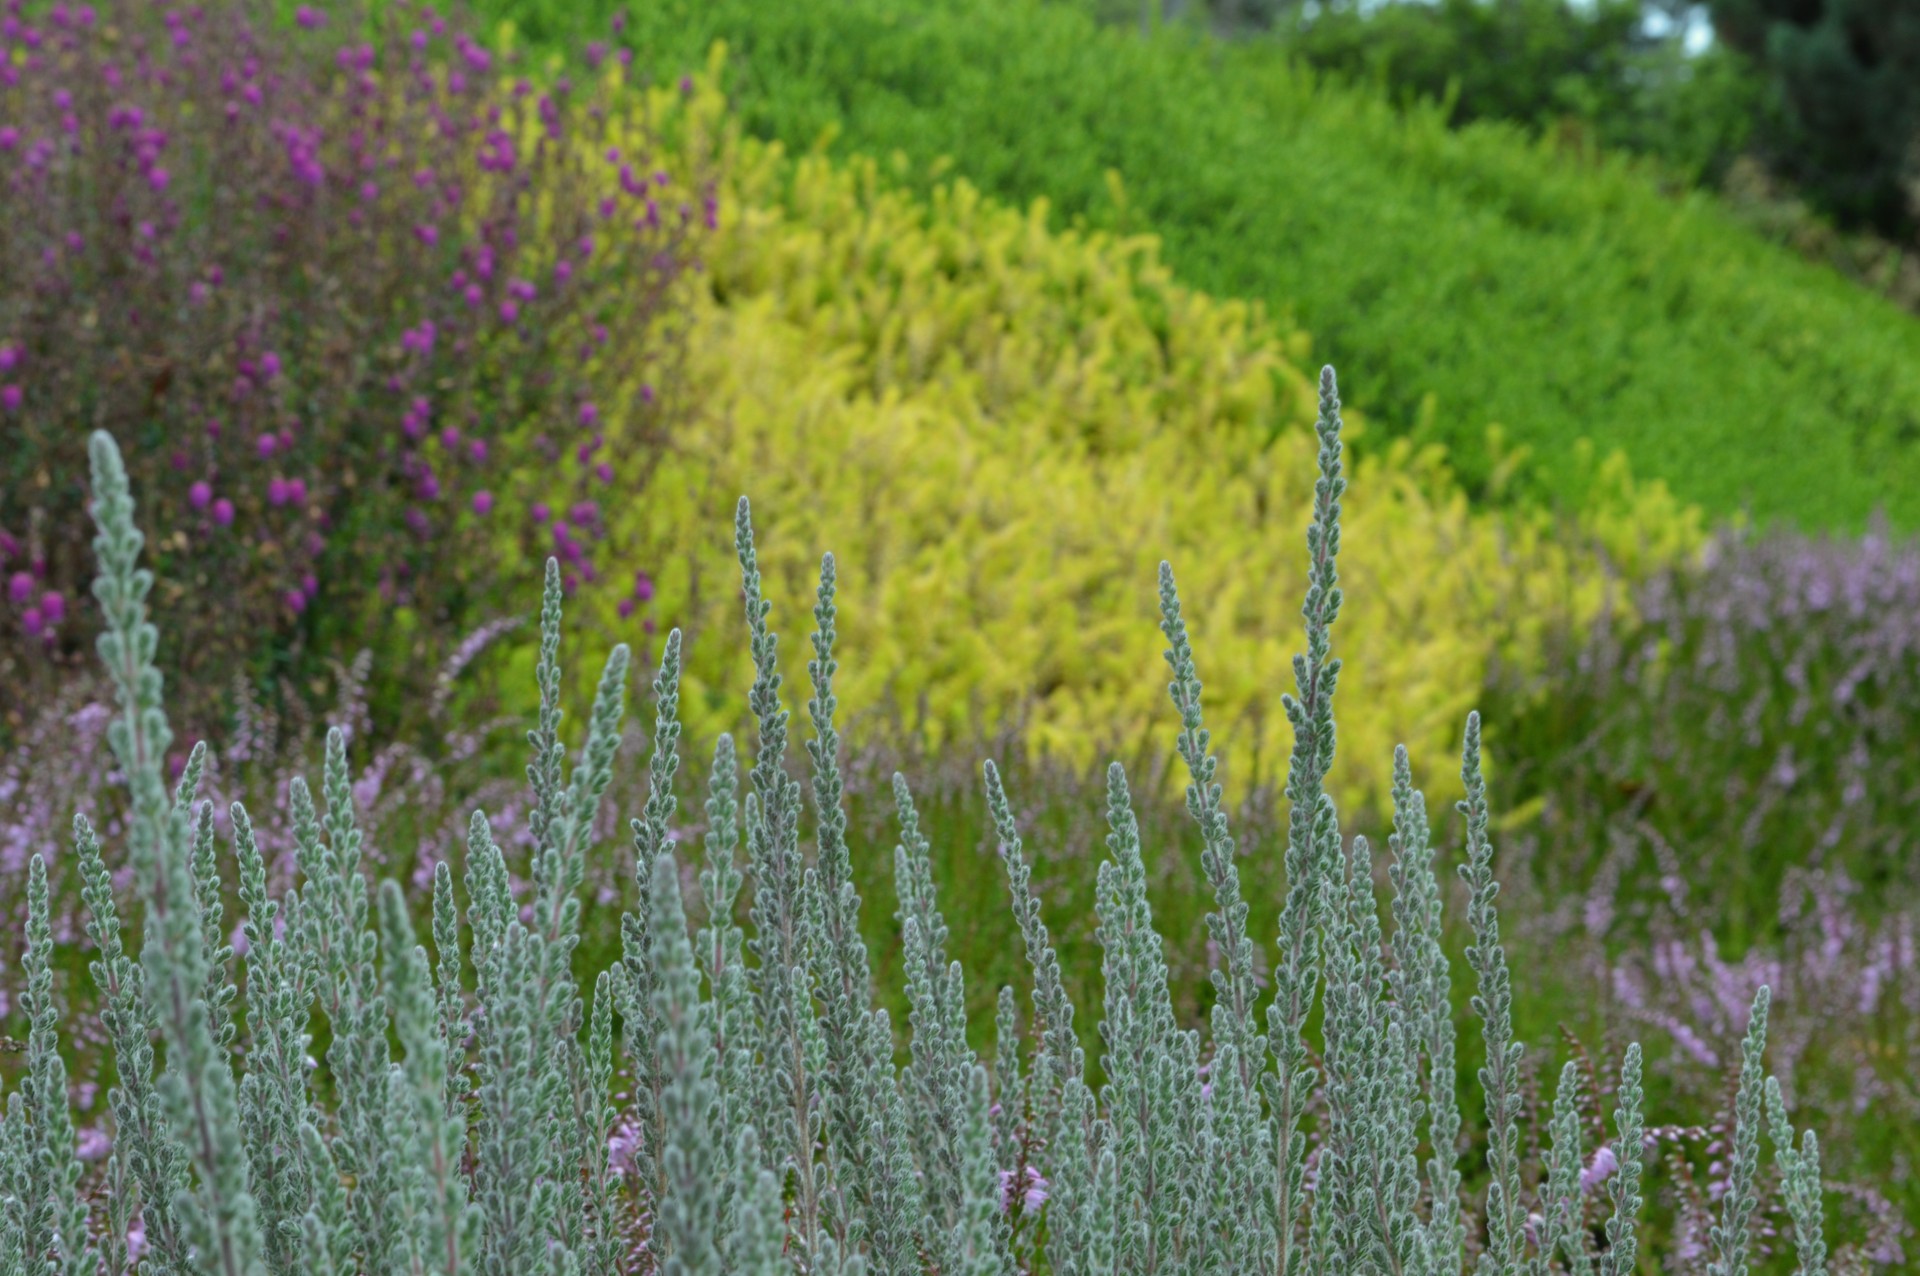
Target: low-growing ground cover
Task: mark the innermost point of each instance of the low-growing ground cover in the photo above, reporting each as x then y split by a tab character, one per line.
1467	278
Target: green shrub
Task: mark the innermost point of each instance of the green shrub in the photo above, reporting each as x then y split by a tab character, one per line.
768	1127
1470	277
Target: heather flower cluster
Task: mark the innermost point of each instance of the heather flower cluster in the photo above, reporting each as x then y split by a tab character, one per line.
726	1099
361	296
1768	696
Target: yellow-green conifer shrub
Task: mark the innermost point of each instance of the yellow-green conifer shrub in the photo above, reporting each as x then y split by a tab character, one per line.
1006	426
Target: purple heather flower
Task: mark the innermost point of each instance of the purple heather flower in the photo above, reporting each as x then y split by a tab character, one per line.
53	607
269	366
9	358
643	586
296	491
589	413
1598	1170
603	472
483	502
32	622
20	588
427	233
450	438
276	491
477	449
1031	1188
158	178
223	512
509	311
266	446
200	495
309	18
562	271
10	397
296	601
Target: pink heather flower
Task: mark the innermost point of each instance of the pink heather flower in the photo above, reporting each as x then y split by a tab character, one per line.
20	588
1599	1170
53	607
483	502
1032	1188
10	397
93	1144
369	191
200	495
223	512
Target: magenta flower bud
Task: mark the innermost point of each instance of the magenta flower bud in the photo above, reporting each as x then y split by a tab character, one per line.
309	584
20	587
158	177
223	512
509	311
589	413
269	366
296	491
429	486
296	601
427	234
276	491
483	502
200	495
213	427
53	607
449	438
625	608
477	449
266	446
10	397
9	138
474	295
643	587
32	622
603	472
540	512
562	271
369	191
9	358
308	18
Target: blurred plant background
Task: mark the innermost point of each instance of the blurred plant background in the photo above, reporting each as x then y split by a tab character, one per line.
1004	301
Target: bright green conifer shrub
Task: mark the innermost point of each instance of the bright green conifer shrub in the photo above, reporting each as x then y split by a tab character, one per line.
463	1115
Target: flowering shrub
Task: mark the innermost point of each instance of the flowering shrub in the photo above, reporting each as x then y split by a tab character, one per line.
939	386
336	284
1759	718
765	1127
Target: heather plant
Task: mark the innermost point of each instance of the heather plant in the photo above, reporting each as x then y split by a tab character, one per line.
357	292
459	1113
1756	717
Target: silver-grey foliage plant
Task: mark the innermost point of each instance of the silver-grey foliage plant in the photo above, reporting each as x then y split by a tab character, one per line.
463	1115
